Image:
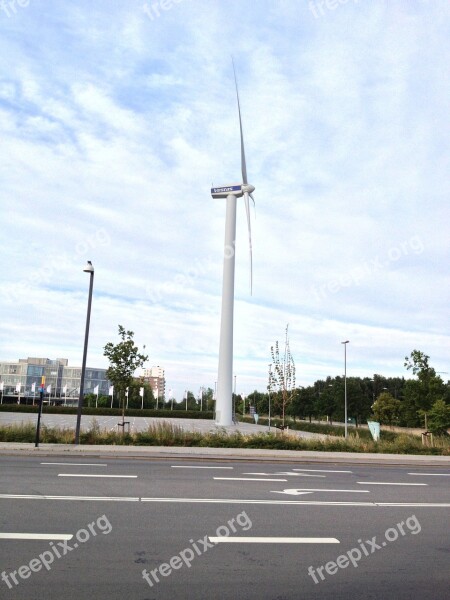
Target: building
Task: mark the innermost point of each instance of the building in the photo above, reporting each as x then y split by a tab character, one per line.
61	381
156	378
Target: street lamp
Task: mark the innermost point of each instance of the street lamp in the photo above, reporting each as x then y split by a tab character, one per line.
234	402
87	269
345	388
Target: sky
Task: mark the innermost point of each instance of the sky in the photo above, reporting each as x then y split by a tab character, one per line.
115	119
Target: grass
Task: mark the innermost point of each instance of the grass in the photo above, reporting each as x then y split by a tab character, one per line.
169	434
334	430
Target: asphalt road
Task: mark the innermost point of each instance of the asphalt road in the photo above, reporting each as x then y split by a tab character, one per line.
232	530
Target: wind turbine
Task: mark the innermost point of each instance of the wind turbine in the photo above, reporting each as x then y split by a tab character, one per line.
224	405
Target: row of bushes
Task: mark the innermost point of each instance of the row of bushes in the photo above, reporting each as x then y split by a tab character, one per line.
169	434
131	412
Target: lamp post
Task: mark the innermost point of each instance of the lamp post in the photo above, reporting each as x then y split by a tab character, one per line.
269	389
345	388
234	402
87	269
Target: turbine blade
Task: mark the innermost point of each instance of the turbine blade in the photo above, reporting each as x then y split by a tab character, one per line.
247	209
243	164
254	203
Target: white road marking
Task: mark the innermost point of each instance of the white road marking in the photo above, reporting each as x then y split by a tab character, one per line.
189	467
273	540
36	536
300	474
227	501
98	476
322	471
431	474
76	464
246	479
296	502
285	473
89	498
293	492
386	483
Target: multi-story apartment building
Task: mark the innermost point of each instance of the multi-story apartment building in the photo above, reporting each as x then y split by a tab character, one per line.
156	378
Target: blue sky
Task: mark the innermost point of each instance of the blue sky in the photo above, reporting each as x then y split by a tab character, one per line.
115	119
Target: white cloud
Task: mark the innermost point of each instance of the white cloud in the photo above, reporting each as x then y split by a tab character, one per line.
112	133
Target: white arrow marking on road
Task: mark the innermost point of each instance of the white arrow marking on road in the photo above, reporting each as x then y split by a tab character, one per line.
310	490
35	536
273	540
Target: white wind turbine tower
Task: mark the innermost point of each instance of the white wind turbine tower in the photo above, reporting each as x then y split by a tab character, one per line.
224	405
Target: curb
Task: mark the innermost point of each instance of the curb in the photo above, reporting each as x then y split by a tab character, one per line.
228	454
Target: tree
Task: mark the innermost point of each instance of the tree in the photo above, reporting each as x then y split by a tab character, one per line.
326	403
421	393
260	402
89	400
439	417
103	401
386	409
191	401
124	358
135	399
307	398
359	405
282	374
208	398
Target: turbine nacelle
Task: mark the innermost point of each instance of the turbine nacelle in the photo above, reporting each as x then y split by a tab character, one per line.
237	190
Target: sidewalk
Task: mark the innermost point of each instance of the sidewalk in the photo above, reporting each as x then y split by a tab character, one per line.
238	454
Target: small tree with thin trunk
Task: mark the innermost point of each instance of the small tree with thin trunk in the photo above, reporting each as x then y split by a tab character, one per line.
124	358
282	374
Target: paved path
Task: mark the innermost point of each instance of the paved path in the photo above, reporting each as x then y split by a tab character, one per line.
140	423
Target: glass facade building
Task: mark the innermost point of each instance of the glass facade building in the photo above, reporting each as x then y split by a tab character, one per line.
62	381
